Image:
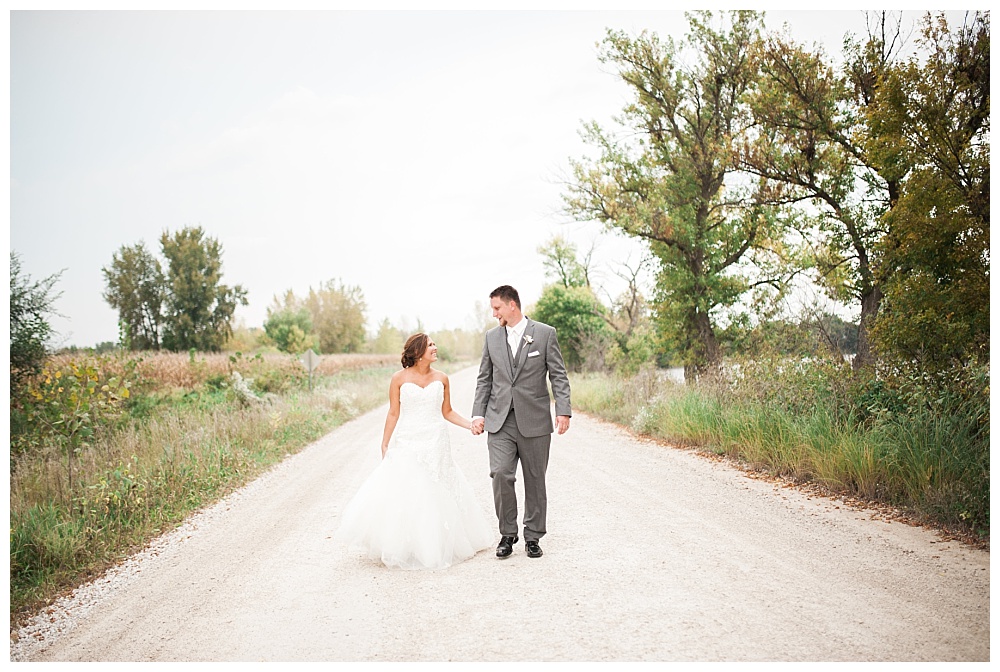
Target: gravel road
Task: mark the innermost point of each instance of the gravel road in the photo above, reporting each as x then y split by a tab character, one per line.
653	554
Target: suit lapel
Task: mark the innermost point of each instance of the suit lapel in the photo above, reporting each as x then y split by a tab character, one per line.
501	342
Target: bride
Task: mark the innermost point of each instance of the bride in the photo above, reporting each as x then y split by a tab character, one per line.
416	510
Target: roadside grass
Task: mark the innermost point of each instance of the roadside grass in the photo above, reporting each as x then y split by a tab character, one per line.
820	425
194	429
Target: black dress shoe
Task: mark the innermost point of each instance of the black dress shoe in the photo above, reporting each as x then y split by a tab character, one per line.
533	549
505	547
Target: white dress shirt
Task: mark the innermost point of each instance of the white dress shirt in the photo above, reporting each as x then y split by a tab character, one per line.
514	335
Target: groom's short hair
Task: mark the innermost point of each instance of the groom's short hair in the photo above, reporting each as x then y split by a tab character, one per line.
507	293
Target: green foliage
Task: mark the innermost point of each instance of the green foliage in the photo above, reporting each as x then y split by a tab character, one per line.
136	287
246	339
628	354
64	406
908	442
810	116
559	257
289	329
894	156
937	297
457	344
105	347
389	339
576	315
200	308
63	409
672	178
814	334
338	316
930	323
30	306
330	319
622	338
818	145
157	458
271	380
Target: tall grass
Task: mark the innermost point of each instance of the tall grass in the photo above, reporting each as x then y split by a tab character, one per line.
916	447
185	439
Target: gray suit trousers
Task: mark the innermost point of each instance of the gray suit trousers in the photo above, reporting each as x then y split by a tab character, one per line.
506	447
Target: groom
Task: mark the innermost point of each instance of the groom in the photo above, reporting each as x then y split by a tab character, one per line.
512	405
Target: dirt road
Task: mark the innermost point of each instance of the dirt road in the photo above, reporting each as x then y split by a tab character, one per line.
653	553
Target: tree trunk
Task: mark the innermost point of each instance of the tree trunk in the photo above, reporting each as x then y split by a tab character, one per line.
704	352
870	302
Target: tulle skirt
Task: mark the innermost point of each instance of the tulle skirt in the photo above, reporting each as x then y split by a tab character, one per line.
405	517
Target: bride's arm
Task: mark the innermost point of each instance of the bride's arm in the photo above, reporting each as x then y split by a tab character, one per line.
449	413
393	415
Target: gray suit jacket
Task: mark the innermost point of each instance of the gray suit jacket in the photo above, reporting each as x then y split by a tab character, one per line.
501	384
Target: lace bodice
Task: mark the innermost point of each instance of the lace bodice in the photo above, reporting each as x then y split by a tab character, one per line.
420	406
421	429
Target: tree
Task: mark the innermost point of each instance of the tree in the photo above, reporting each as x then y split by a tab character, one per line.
634	344
561	263
676	185
576	315
388	339
816	143
289	325
813	333
136	287
199	307
338	316
626	320
935	114
30	306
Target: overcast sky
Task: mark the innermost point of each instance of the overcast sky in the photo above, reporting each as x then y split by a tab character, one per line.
418	155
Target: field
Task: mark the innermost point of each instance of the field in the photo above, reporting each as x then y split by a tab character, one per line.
112	451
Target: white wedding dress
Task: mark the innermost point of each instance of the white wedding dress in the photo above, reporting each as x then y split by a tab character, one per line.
416	510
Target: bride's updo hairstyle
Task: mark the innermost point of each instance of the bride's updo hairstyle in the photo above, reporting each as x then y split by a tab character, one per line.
414	349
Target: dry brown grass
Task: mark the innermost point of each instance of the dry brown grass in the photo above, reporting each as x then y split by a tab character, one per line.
178	369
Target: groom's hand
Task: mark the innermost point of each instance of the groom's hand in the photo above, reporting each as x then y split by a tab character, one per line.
478	424
562	423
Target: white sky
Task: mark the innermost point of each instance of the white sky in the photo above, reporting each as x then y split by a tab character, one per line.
416	154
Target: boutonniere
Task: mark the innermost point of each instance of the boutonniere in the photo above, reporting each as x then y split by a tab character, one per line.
528	339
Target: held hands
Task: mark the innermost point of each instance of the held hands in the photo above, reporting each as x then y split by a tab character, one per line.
562	425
